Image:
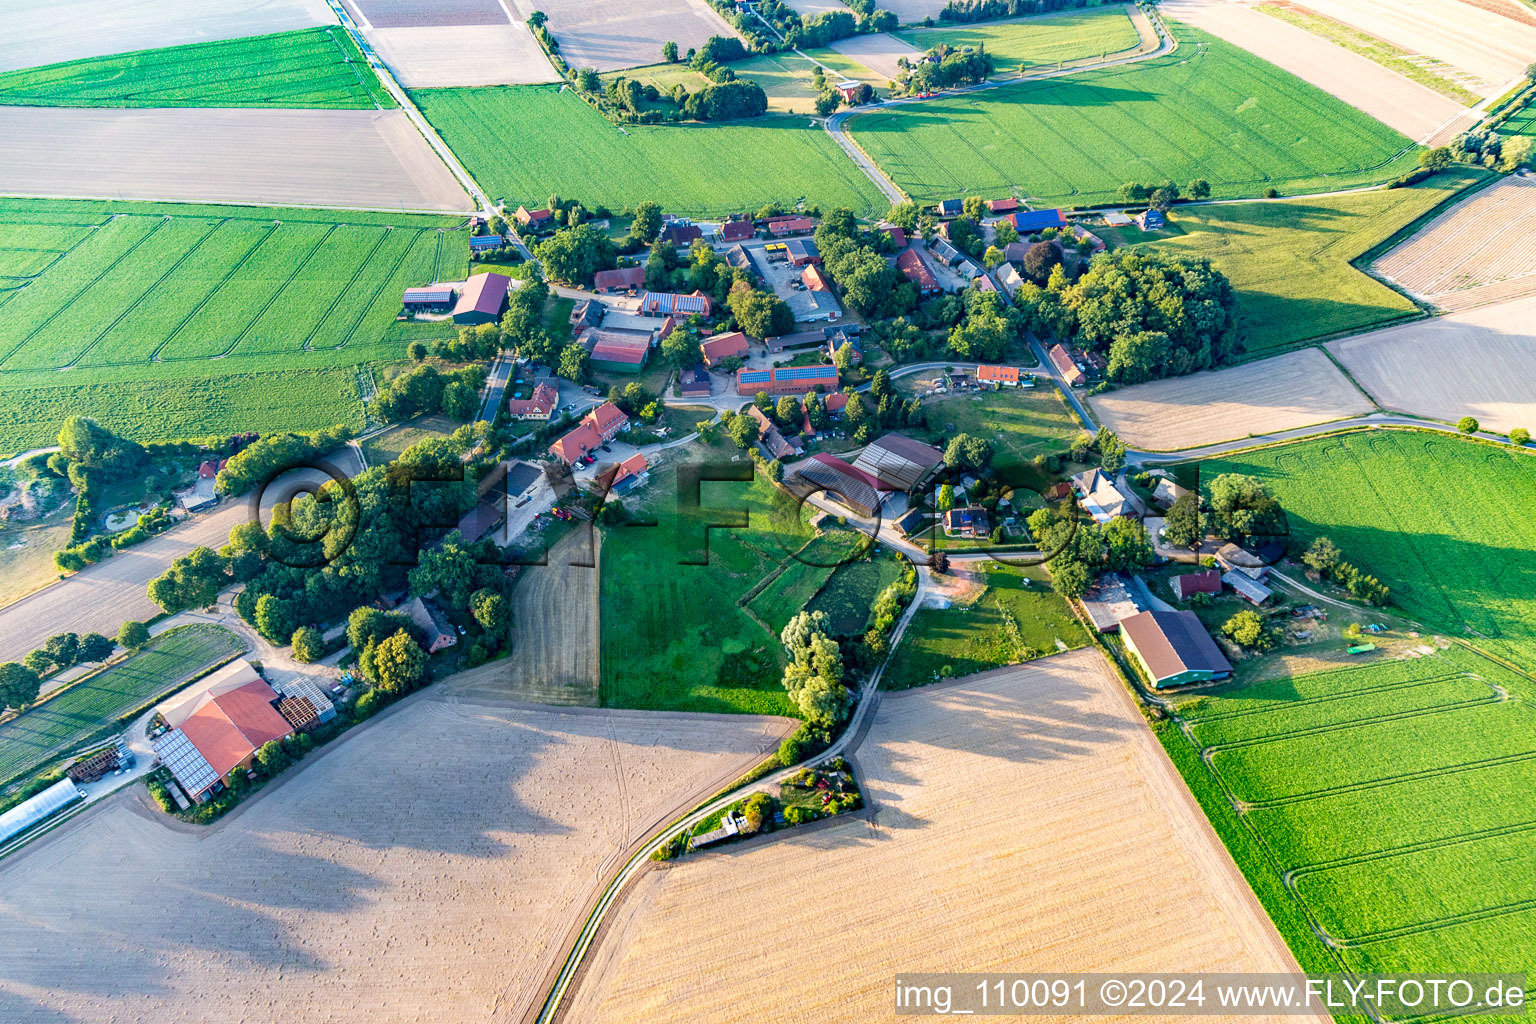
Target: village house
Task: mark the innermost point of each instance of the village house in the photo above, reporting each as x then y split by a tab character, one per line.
432	623
615	351
1207	581
945	252
534	220
671	303
595	429
723	346
1010	279
540	405
620	280
802	252
838	342
1151	220
736	231
768	435
681	235
1028	221
482	300
633	472
1104	499
950	207
693	383
586	313
783	227
912	266
815	280
1003	376
970	521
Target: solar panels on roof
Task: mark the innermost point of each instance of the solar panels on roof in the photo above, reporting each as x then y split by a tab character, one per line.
477	242
185	762
753	375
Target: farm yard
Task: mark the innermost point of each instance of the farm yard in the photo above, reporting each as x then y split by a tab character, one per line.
317	67
1391	795
522	143
1475	252
136	300
466	835
1028	44
1490	49
950	773
1473	363
1207	110
1402	505
785	77
1297	389
1291	263
1412	108
610	36
65	30
350	158
69	717
1012	615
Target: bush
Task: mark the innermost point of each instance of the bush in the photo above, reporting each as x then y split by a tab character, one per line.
1467	425
308	644
1520	436
806	741
797	815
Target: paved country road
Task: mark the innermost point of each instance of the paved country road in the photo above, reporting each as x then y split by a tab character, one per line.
101	597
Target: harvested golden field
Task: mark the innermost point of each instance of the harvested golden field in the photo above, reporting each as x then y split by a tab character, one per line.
1474	363
426	868
1478	251
1025	820
1297	389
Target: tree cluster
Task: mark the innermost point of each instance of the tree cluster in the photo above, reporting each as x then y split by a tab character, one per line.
814	676
425	390
1324	558
871	287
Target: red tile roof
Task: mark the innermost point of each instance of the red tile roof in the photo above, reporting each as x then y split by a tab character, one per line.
898	236
615	347
1002	205
791	225
1206	582
541	403
815	280
606	419
632	466
483	293
1068	369
737	230
624	277
1007	374
231	727
910	262
836	402
723	346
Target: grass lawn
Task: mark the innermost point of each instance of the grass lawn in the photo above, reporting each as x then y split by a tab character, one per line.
525	142
51	728
26	552
1011	621
1394	793
1028	44
1207	110
1443	522
314	67
805	576
387	446
674	636
1291	262
1425	70
847	597
178	321
1020	422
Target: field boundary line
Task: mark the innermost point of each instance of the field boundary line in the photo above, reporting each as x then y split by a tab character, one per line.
93	282
384	280
154	356
1227	716
1497	696
277	292
341	292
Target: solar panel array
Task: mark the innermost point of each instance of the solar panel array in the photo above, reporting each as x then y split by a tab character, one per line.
190	767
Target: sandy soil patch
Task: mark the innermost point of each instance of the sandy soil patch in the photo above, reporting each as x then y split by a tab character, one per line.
625	33
878	52
427	868
46	33
1293	390
356	158
1474	363
811	8
1490	48
1026	821
1479	250
1412	109
101	597
438	56
912	11
415	13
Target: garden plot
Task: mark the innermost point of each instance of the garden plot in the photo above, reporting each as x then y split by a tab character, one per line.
451	55
1474	363
1044	773
352	158
1491	49
1477	251
625	33
878	52
435	858
1293	390
46	33
1412	109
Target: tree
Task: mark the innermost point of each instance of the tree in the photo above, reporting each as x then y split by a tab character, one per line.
758	313
1128	547
489	609
575	363
742	430
1520	436
681	350
646	224
1004	233
981	337
86	443
274	618
575	254
417	350
903	215
973	208
826	102
1111	450
824	704
787	412
1244	506
271	758
454	570
1467	425
95	647
1042	258
399	665
1181	527
1247	629
1198	188
669	52
993	257
133	635
63	649
368	625
19	685
966	451
1436	159
537	19
946	497
1163	197
308	644
1137	357
1322	557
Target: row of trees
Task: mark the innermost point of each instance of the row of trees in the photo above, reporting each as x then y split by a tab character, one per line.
1324	558
21	681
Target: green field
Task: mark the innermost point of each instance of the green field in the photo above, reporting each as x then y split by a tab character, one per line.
1019	616
315	67
525	142
1290	262
1444	522
177	321
804	577
50	729
1030	43
1020	422
1392	802
674	636
849	594
1207	110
